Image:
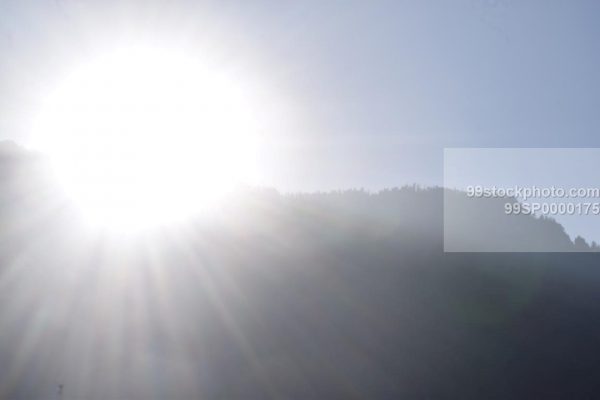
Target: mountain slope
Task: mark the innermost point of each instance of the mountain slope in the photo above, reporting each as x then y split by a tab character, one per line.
331	295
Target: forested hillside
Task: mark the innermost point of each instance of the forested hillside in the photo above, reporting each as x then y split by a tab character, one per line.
328	295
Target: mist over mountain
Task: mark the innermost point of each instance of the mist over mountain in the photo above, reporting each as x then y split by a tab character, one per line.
332	295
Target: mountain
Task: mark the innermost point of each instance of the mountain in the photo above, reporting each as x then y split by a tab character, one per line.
327	295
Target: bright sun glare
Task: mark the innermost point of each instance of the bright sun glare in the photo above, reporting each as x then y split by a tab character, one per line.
141	136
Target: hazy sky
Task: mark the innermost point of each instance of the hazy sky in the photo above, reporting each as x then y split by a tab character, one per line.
368	93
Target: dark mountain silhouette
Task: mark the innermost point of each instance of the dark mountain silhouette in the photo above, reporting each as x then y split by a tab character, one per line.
328	295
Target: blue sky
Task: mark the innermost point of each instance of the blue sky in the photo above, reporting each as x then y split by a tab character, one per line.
377	88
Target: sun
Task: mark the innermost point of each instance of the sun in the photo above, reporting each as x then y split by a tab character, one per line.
141	136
